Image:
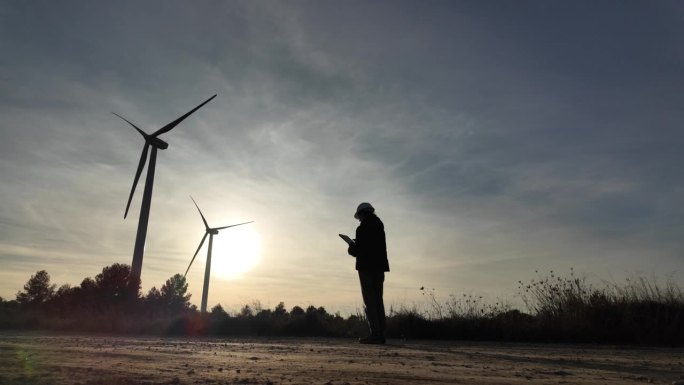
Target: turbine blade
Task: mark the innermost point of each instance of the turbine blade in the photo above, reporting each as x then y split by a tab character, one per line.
200	211
193	257
143	159
134	126
173	124
239	224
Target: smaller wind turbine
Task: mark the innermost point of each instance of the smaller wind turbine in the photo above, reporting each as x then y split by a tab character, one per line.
211	231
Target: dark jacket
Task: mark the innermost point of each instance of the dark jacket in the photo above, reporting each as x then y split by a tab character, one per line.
369	248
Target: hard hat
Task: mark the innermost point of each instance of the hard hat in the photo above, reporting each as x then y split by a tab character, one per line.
365	206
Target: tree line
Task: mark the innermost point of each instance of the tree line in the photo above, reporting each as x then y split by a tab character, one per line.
559	309
113	302
98	304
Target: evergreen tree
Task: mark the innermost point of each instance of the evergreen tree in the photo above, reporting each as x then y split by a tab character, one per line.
115	285
37	290
174	293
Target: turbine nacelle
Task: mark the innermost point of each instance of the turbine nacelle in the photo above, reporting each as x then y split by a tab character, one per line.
212	231
156	142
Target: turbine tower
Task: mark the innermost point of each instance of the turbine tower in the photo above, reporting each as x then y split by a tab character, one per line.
211	232
156	143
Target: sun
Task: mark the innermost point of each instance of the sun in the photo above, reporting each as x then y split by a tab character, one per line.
235	251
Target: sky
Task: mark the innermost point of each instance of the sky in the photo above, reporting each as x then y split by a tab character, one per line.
494	139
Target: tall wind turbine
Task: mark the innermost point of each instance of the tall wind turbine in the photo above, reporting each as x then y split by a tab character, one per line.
156	143
211	231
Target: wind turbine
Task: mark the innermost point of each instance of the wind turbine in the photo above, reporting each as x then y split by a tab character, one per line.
211	231
156	143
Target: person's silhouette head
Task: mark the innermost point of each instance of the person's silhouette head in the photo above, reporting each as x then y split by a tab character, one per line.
363	210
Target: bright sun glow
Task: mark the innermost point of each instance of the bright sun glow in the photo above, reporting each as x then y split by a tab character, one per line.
236	251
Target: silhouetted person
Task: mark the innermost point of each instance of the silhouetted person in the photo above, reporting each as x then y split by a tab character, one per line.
370	251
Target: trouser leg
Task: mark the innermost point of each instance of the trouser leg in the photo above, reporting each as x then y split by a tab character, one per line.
367	293
372	290
380	303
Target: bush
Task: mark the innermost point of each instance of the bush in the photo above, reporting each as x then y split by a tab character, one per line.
639	311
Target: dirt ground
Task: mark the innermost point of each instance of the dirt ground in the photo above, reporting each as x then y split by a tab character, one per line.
77	359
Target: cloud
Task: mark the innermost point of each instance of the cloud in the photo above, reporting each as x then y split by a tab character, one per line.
493	140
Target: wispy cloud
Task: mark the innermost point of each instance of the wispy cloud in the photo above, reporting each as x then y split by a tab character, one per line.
493	140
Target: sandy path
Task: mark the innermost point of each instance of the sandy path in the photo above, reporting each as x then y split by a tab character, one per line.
72	359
